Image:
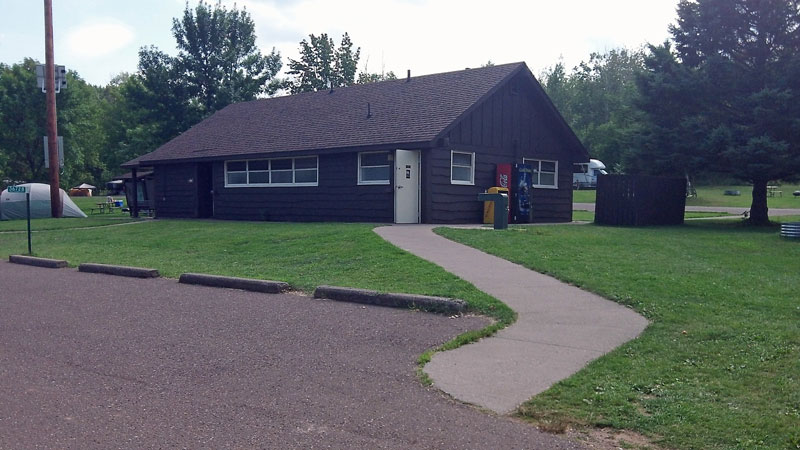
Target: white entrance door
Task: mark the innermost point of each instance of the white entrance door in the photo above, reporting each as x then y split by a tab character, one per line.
406	186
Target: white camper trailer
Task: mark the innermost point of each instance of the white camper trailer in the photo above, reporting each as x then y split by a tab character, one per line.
584	175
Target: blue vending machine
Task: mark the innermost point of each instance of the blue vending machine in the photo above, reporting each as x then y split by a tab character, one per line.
521	185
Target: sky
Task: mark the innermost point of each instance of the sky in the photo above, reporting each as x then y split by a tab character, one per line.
100	38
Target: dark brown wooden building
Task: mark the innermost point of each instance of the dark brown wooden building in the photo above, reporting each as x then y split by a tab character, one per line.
418	149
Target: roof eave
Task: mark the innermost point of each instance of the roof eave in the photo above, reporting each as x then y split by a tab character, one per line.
334	150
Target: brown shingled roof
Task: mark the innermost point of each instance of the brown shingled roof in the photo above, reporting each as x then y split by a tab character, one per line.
402	112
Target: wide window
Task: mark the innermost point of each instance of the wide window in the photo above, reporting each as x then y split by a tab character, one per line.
462	168
272	172
374	168
545	173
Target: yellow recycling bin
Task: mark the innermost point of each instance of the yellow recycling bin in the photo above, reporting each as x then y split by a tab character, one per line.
488	207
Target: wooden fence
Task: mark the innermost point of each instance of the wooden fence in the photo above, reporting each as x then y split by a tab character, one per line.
636	200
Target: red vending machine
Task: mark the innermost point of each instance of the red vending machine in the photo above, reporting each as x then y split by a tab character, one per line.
503	176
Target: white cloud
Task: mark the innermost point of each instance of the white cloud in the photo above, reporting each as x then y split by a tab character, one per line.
99	38
429	36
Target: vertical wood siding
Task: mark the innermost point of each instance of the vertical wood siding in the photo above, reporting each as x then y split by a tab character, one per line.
510	125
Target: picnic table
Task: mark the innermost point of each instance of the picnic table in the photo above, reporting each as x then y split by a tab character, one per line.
103	206
772	190
106	206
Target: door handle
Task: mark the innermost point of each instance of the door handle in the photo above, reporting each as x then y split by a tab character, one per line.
399	187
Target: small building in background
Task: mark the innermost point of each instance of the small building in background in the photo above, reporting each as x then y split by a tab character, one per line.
84	190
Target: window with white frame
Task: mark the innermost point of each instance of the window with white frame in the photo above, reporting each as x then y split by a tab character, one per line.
545	173
300	171
374	168
462	167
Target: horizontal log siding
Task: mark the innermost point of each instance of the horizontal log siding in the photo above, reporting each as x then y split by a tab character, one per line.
175	194
456	203
507	127
337	198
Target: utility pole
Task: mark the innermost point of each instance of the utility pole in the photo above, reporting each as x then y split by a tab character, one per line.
56	208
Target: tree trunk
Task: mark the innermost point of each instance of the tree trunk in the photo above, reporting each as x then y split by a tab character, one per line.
758	209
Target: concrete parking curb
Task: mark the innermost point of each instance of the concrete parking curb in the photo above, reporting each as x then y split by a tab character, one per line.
424	302
39	262
123	271
247	284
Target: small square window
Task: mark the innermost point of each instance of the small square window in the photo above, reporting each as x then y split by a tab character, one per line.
305	176
259	177
262	164
374	168
281	164
237	177
545	173
462	168
237	166
281	176
305	163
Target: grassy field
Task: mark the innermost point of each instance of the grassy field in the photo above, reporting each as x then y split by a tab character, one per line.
715	196
588	216
718	368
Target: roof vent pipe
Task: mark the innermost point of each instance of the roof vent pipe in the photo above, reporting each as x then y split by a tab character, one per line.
408	77
369	111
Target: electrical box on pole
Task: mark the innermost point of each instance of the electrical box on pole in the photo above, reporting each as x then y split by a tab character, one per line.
60	75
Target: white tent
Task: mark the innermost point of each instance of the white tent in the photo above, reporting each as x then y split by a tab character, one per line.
85	186
12	204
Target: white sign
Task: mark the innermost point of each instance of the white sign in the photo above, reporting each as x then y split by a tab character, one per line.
60	153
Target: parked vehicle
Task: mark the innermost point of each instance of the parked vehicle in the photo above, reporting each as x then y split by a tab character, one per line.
584	175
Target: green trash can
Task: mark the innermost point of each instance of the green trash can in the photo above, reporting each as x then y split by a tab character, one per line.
500	208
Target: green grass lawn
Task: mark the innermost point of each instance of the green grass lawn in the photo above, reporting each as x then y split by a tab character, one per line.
304	255
584	196
588	216
88	203
715	196
718	368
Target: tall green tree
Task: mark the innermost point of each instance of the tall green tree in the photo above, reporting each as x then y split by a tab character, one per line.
219	58
598	99
322	65
23	124
217	64
727	97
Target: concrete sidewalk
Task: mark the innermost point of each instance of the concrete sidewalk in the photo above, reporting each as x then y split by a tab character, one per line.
559	330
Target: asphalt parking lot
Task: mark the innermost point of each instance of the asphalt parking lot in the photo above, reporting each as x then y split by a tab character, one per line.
97	361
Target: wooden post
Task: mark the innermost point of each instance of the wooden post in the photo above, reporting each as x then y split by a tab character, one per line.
135	195
56	208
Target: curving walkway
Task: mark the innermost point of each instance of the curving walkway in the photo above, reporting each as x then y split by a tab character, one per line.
560	328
